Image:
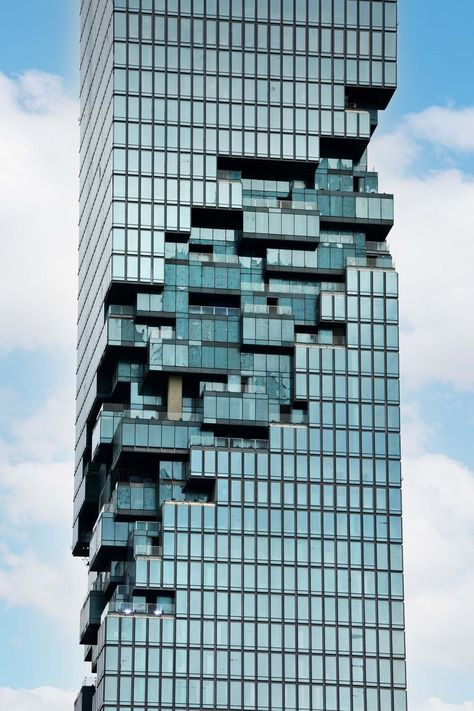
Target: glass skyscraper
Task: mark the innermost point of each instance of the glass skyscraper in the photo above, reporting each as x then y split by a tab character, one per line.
237	486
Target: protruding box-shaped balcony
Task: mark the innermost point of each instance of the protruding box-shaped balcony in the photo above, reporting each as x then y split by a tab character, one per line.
346	133
221	276
122	330
148	438
275	227
265	187
90	616
109	541
370	213
208	439
133	500
113	380
326	262
85	509
85	697
238	409
268	327
210	325
300	168
104	429
163	606
179	357
359	96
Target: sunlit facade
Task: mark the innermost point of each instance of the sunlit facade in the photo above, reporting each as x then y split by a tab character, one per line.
237	486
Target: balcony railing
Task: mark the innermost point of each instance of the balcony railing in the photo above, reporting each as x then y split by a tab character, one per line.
208	440
214	310
142	608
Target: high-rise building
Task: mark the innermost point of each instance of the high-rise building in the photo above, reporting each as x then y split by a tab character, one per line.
238	478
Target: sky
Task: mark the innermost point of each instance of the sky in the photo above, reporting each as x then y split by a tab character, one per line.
424	151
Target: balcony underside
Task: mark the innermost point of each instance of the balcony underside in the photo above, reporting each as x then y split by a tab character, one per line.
353	148
375	231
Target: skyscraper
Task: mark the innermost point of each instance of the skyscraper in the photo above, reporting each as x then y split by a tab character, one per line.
238	475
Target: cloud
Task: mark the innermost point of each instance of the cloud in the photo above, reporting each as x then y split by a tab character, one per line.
432	245
36	467
439	705
36	488
38	212
44	698
55	588
439	556
48	433
36	492
444	126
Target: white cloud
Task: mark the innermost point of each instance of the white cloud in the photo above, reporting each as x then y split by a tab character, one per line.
36	487
55	588
439	556
48	433
38	212
445	126
36	492
433	248
36	468
44	698
439	705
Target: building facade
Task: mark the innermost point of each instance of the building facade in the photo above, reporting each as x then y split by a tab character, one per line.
237	485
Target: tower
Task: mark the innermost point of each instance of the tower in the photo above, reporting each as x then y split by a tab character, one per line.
237	490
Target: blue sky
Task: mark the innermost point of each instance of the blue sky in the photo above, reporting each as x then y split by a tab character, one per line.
424	151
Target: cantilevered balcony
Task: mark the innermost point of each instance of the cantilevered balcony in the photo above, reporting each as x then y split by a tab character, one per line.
90	616
370	213
104	429
163	607
85	509
326	262
109	541
267	328
132	501
209	439
149	440
275	227
222	409
182	357
85	697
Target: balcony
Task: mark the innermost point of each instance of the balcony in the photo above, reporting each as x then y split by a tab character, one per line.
109	541
276	226
132	501
123	332
85	509
179	357
105	582
113	381
104	429
267	331
148	438
207	440
192	491
163	607
237	409
90	617
85	697
347	135
364	97
369	213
